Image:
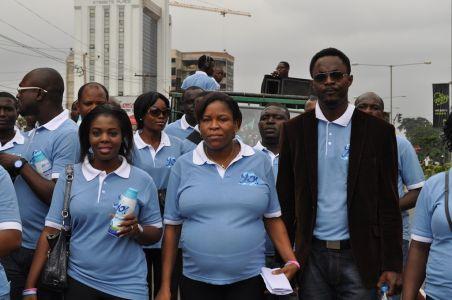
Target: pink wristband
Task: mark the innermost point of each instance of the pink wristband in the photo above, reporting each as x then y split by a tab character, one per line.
293	262
29	292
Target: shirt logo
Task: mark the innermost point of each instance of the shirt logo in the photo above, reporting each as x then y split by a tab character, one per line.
249	178
346	152
170	161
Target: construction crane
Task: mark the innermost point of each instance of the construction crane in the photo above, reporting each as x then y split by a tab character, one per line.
221	11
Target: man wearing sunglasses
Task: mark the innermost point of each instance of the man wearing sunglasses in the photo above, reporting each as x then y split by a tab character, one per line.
337	185
40	94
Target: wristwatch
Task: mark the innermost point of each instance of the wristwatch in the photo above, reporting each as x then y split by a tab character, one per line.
19	164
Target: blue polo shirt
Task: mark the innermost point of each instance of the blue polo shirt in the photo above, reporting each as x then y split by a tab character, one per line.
179	128
202	80
157	163
332	160
274	160
16	145
9	218
116	266
430	226
58	140
410	175
221	212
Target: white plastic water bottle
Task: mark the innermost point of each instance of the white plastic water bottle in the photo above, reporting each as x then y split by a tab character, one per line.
41	164
126	205
384	292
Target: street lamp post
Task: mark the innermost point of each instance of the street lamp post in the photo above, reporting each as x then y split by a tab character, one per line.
391	67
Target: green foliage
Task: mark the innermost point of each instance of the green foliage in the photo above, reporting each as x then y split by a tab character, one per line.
431	170
427	139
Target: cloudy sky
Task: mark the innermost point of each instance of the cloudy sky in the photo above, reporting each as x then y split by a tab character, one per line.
369	32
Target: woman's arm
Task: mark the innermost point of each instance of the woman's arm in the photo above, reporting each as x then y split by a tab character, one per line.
278	234
150	234
39	258
170	246
414	273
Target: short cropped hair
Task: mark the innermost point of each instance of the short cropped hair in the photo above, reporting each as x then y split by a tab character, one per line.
330	52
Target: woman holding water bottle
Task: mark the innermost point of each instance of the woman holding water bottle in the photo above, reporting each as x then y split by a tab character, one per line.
221	199
156	152
430	254
105	261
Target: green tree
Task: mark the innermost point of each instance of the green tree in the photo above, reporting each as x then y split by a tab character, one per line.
421	133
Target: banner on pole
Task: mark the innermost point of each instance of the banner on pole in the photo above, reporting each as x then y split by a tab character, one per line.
441	104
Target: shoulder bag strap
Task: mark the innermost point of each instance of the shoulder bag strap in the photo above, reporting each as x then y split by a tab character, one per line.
446	200
67	195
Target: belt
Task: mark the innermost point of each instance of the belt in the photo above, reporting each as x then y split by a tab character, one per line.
334	245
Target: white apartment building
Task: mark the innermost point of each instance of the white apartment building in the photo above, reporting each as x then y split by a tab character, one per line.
123	44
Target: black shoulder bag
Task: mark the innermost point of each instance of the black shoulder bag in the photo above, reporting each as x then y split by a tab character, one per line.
54	275
446	199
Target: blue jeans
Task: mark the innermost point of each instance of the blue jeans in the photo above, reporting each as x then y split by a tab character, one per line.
332	275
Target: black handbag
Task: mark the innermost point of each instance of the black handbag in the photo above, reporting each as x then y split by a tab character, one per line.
54	275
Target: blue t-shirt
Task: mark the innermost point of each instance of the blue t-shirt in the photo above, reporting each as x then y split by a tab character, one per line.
274	160
202	80
333	153
179	128
116	266
430	226
58	140
158	163
221	212
187	146
9	218
410	175
16	146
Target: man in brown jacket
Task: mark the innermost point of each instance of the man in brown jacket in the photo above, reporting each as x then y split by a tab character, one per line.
337	184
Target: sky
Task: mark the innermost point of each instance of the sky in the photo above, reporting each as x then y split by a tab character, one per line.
369	32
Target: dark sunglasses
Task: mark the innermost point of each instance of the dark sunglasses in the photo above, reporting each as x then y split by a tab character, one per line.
155	112
335	75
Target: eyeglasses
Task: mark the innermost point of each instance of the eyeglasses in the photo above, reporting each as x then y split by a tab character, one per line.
21	89
155	112
335	75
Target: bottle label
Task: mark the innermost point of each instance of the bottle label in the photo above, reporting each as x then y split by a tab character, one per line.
125	206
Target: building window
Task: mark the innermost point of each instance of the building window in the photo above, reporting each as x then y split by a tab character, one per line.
173	71
121	50
92	45
173	60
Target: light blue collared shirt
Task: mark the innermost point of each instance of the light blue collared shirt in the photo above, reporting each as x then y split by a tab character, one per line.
16	145
332	160
116	266
58	140
202	80
221	212
430	226
9	219
179	128
410	175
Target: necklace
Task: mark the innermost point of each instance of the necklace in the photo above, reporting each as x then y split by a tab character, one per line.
223	165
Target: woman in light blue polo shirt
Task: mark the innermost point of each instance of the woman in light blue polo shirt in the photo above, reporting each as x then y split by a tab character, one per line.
220	199
430	254
156	152
103	266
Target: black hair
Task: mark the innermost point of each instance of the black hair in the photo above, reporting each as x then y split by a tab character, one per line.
205	61
285	63
192	88
8	95
226	99
279	105
330	52
143	103
447	136
124	124
82	88
370	95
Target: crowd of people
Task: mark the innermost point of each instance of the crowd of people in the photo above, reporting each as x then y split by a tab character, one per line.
322	198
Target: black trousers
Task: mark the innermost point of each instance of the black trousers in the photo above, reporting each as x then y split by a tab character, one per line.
17	265
154	262
78	291
249	289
